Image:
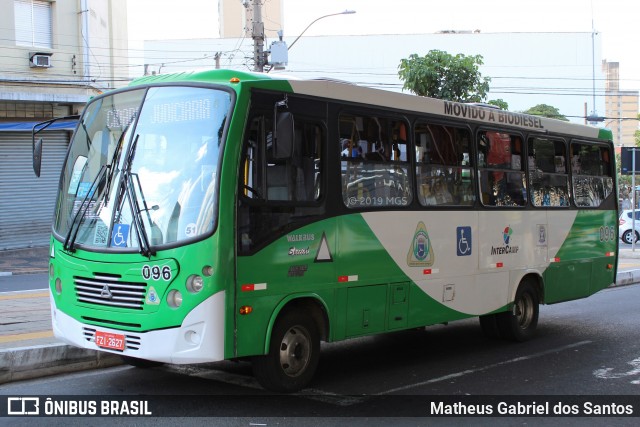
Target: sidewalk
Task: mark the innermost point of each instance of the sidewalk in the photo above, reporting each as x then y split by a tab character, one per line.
28	348
24	261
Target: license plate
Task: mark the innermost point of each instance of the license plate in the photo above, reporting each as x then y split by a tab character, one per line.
109	340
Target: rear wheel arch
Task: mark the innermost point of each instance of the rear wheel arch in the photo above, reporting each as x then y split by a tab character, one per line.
535	278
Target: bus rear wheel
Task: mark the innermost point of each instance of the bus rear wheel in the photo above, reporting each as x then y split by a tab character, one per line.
293	355
519	323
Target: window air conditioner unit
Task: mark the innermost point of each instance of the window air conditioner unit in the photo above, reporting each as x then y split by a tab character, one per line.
39	60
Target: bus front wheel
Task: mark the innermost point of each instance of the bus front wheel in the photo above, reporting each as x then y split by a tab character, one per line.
519	323
293	355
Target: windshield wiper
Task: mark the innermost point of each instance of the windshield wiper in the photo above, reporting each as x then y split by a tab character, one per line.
69	241
138	223
127	191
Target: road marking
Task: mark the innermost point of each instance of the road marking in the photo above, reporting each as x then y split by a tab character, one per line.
483	368
607	374
28	336
342	400
23	295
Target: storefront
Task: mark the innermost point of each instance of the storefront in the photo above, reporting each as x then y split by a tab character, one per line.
27	202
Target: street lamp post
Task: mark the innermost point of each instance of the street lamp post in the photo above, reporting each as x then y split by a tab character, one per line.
346	12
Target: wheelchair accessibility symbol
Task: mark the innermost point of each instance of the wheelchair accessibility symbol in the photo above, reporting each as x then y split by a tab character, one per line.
120	235
463	237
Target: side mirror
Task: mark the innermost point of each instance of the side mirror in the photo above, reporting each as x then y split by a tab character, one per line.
37	146
284	132
37	156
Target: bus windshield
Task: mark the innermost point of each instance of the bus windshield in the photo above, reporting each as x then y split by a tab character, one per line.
141	169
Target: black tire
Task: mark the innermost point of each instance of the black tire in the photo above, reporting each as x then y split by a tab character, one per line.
293	356
519	323
140	363
489	325
626	237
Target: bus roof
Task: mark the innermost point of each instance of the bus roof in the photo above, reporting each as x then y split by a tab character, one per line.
349	92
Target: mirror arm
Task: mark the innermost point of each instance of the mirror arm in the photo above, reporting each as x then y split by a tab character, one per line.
37	128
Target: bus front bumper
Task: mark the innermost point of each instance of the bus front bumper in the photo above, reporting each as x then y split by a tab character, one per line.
199	339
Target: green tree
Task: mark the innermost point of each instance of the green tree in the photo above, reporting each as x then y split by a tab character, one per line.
500	103
545	110
441	75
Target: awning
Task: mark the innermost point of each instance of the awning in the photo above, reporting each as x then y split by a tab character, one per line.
69	125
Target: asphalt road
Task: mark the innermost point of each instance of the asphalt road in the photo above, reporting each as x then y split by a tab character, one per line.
589	347
24	282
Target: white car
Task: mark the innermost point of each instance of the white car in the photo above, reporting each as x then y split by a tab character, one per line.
625	224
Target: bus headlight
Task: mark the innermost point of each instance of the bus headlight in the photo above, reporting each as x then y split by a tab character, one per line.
58	286
174	298
195	283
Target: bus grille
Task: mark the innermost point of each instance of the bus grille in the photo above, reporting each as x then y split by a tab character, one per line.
132	342
108	290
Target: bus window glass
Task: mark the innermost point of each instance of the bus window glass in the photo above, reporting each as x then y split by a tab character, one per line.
548	173
375	166
591	169
144	172
294	179
500	169
443	165
279	192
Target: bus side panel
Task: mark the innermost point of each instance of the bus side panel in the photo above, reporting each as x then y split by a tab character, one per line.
377	289
365	269
298	263
439	252
583	264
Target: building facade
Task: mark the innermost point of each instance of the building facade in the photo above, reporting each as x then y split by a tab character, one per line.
54	55
621	107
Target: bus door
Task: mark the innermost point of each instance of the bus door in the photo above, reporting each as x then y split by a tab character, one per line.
285	247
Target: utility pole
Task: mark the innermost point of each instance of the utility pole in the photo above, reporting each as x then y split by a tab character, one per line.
257	33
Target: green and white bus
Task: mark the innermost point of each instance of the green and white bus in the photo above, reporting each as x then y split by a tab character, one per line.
225	215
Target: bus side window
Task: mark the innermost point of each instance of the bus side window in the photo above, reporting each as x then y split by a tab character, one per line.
443	166
548	174
592	180
500	171
374	162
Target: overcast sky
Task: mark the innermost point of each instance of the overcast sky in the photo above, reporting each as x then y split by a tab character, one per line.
616	20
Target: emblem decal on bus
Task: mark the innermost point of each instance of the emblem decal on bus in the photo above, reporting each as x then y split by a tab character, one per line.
152	297
508	248
463	237
324	253
421	252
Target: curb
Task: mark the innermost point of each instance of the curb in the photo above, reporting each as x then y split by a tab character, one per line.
38	361
627	278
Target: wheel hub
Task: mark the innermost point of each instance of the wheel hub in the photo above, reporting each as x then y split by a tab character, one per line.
294	351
